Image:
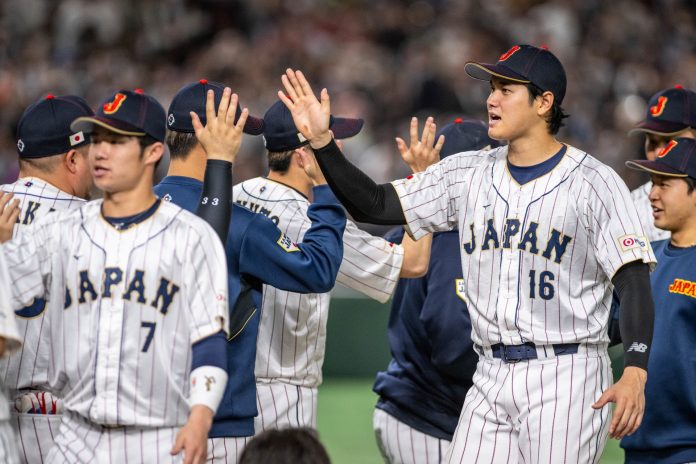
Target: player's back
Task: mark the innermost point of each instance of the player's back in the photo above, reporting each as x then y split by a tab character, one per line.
28	366
292	334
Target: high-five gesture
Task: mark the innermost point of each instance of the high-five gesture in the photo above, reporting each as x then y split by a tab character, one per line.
311	116
220	137
420	153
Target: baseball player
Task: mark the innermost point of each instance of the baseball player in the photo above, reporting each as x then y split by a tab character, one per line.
546	232
53	176
138	302
668	432
9	341
292	333
671	113
257	252
422	391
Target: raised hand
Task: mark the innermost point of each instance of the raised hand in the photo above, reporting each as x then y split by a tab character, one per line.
310	166
420	153
311	116
220	137
9	212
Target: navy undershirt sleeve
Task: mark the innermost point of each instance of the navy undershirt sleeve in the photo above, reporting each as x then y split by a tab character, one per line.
365	200
210	352
637	314
215	205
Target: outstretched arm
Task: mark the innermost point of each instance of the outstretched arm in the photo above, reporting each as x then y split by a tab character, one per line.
362	197
221	139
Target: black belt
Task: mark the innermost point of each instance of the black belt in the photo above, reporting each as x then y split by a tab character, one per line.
526	351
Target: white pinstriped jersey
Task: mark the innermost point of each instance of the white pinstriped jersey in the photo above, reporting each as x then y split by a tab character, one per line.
8	330
642	202
28	368
133	303
537	258
292	333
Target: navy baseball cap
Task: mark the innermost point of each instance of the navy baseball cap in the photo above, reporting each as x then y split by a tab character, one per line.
127	112
525	64
280	133
44	128
677	159
670	111
465	135
192	97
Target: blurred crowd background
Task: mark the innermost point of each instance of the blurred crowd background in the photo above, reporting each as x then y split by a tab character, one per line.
382	60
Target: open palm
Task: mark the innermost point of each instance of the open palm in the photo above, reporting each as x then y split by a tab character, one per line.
310	115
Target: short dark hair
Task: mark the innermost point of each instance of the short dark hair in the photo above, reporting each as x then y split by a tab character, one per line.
555	118
691	184
285	446
180	143
279	161
45	165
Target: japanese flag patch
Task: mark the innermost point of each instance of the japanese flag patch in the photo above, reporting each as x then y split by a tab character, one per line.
77	138
631	241
287	244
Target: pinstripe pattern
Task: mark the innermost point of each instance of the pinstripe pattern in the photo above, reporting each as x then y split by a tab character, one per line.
538	260
81	441
642	203
226	450
580	199
400	443
35	435
517	413
28	367
8	444
292	332
281	405
99	341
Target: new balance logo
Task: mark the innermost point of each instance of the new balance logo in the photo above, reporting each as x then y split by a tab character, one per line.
639	347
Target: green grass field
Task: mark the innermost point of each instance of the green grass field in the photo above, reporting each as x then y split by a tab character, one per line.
345	423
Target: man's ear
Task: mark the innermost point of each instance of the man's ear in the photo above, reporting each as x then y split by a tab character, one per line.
544	102
296	158
154	153
70	160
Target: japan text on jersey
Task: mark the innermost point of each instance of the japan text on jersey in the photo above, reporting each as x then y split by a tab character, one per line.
537	258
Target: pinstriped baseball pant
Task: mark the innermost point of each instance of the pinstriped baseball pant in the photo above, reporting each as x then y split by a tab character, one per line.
282	405
400	443
35	434
226	450
81	441
536	411
8	443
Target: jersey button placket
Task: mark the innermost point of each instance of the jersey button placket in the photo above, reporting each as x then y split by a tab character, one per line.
110	333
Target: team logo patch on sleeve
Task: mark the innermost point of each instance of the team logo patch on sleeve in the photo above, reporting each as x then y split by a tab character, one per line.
631	241
287	244
459	288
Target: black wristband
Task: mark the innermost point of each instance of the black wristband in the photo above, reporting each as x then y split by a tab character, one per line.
365	200
637	312
215	206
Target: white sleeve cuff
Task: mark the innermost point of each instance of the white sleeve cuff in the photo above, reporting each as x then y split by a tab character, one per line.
208	385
